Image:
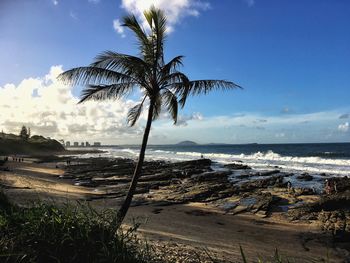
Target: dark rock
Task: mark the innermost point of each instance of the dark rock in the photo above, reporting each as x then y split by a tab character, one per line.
243	176
212	176
305	177
267	173
259	204
332	213
276	181
237	166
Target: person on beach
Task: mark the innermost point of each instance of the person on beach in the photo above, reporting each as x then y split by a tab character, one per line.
289	187
329	187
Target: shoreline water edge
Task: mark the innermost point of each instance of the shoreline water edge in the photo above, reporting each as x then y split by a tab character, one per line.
321	161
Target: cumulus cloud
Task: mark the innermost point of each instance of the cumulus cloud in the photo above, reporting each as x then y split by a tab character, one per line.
182	120
175	10
343	127
55	2
344	116
50	109
118	27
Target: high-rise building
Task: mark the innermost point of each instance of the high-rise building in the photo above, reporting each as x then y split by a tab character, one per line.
82	144
76	144
97	144
67	143
87	144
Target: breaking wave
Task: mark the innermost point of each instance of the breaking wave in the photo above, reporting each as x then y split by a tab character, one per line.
257	160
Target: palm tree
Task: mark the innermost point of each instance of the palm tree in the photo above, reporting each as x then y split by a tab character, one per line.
114	75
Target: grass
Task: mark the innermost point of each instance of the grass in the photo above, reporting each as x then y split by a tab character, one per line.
46	233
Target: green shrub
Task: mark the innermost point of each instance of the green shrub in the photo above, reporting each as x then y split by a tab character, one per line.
46	233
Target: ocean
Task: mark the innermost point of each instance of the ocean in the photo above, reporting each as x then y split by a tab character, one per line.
328	158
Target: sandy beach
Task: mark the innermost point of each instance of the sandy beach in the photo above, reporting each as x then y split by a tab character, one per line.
192	226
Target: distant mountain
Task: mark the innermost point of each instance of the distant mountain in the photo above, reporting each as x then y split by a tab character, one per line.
187	143
13	144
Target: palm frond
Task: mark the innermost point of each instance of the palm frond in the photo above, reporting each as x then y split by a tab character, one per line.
171	103
184	89
149	17
171	65
157	23
93	75
145	44
121	62
126	64
204	86
176	77
157	106
135	112
103	92
159	29
183	95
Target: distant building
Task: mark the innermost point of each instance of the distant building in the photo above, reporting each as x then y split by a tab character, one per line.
82	144
97	144
76	144
68	144
87	144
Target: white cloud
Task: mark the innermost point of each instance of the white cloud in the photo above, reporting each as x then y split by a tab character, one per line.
289	128
55	2
182	120
50	109
118	27
94	1
175	10
343	127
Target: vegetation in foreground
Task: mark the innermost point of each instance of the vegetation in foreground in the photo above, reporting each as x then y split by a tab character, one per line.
45	233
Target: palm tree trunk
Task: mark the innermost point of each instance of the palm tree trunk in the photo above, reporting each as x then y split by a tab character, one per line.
137	173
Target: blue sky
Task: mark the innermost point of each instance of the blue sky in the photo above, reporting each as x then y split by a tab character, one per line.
291	57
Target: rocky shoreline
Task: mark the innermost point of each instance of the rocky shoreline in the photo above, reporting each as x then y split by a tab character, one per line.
205	203
234	188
